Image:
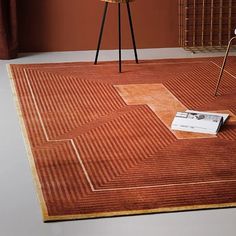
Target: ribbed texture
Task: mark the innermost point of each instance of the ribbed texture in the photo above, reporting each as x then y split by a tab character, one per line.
61	175
94	154
228	133
206	165
196	87
27	107
66	102
120	144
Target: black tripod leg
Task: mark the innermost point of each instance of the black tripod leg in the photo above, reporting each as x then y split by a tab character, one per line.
119	32
132	31
101	31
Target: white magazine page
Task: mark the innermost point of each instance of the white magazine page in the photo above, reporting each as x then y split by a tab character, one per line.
199	122
189	122
224	115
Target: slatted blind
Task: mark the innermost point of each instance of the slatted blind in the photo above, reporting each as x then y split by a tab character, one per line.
206	24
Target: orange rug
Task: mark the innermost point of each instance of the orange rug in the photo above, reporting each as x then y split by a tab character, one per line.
100	142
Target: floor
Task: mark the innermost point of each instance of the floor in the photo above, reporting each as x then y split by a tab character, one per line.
19	209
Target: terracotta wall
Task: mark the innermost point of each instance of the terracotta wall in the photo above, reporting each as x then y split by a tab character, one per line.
61	25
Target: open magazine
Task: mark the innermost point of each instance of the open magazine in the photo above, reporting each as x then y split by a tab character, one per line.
198	121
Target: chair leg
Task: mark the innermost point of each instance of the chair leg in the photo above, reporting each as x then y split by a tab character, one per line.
119	32
101	32
223	65
132	31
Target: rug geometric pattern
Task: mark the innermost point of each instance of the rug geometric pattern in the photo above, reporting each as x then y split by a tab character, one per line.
95	155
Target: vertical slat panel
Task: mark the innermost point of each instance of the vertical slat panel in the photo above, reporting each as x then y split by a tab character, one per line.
179	19
183	20
211	22
206	24
194	23
181	16
230	20
185	23
220	22
203	23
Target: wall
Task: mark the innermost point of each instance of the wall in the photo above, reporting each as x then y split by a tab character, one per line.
61	25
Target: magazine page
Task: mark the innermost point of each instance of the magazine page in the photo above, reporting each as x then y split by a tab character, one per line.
224	115
199	122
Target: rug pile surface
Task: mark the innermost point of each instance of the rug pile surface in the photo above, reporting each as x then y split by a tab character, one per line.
100	144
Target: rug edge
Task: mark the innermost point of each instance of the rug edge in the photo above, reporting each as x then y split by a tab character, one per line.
138	212
48	218
29	153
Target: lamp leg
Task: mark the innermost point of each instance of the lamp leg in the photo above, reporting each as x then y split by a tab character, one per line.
132	31
223	65
101	32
